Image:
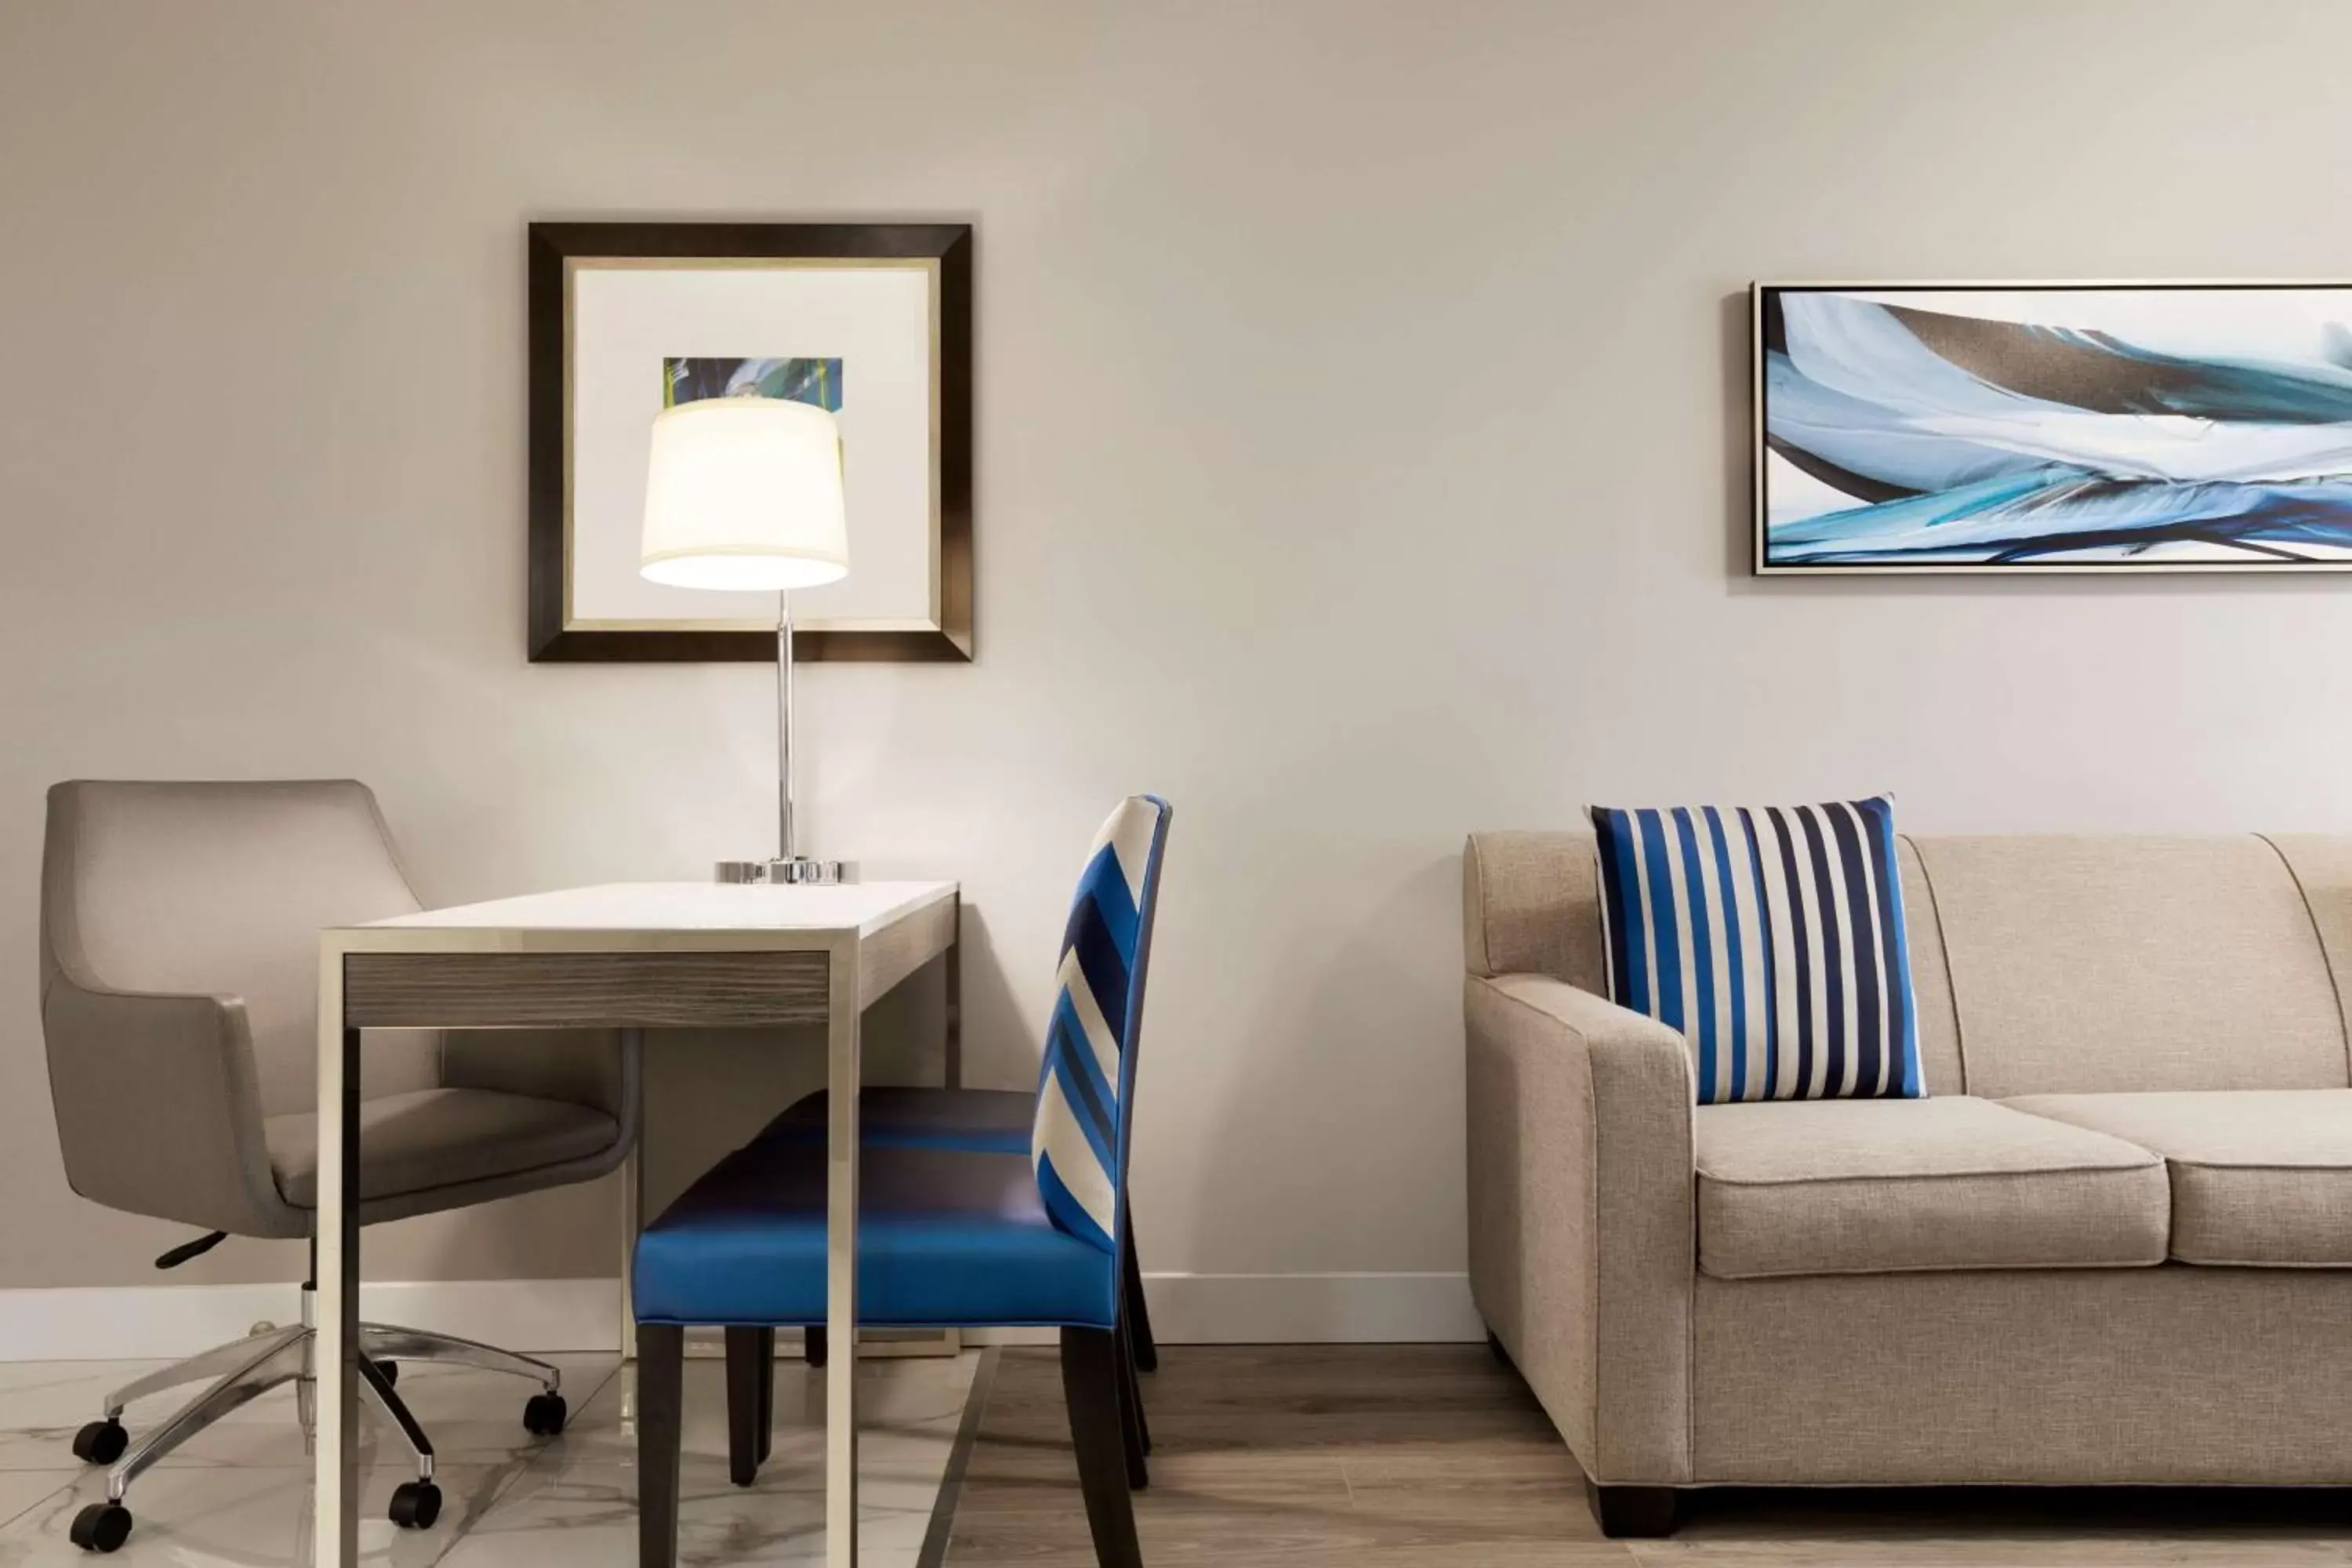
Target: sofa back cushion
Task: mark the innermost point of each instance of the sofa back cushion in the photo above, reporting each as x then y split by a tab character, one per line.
1772	937
2084	965
1531	905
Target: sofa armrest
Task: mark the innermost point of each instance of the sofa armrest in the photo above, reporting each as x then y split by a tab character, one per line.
1583	1235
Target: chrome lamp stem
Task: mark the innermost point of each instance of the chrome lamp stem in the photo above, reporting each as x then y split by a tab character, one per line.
784	725
789	866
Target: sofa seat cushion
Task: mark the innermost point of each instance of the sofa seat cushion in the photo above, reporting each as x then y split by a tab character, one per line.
1862	1187
2260	1178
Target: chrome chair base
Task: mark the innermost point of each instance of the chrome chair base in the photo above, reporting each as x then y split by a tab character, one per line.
243	1370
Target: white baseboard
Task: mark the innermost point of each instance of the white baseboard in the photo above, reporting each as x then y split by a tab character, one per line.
1294	1310
127	1321
114	1322
1311	1309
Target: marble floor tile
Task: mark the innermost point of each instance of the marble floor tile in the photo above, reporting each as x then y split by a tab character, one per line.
898	1399
219	1516
576	1502
20	1489
585	1516
471	1416
239	1493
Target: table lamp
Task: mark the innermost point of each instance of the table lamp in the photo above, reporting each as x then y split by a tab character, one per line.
745	492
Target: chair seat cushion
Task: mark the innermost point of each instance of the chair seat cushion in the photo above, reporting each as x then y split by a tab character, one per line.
2260	1178
946	1238
989	1119
1861	1187
431	1138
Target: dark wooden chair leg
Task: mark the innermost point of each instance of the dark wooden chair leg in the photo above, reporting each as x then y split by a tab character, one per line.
1136	1436
767	1393
813	1339
1132	1393
1138	1315
1637	1514
1090	1385
661	1372
1135	1396
744	1405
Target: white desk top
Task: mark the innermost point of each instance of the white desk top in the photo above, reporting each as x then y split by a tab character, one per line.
865	908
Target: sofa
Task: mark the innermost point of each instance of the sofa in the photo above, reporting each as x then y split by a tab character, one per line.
2112	1244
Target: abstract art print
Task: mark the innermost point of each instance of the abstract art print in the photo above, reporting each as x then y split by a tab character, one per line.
629	318
2085	427
811	381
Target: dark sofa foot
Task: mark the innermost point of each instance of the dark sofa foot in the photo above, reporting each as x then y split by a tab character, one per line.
1632	1512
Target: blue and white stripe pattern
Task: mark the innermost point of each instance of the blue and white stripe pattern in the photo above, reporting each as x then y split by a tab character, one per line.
1079	1143
1773	938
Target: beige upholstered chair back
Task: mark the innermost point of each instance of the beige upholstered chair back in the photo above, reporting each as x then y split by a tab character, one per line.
221	889
2042	964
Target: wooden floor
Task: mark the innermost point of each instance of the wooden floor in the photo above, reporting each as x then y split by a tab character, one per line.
1434	1456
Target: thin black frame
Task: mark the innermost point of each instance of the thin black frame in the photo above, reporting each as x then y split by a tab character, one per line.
1759	566
552	245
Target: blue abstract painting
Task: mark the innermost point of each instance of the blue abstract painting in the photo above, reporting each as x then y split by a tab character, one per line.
2077	426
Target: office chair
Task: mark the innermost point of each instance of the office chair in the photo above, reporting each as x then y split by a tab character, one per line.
179	970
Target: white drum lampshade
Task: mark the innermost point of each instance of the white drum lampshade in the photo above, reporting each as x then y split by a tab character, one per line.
745	493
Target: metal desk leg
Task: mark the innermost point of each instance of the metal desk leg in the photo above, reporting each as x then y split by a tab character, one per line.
336	1540
842	1073
632	1195
952	1046
633	1207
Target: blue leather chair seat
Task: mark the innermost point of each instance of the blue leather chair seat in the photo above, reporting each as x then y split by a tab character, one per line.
985	1119
946	1238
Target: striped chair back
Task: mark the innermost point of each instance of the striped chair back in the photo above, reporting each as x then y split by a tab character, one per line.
1086	1085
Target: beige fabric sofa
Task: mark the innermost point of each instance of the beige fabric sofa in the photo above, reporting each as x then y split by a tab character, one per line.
2114	1244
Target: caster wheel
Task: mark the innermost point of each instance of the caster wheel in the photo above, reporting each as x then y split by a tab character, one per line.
100	1527
100	1443
544	1415
416	1505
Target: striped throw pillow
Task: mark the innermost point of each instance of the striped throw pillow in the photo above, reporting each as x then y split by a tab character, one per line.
1773	938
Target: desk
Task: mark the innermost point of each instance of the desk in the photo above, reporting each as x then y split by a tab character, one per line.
633	956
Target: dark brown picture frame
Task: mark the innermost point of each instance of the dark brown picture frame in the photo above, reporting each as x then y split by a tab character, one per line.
552	245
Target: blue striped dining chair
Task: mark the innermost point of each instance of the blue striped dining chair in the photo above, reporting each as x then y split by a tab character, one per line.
951	1234
920	1116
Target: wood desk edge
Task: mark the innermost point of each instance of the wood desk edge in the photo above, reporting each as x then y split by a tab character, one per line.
890	944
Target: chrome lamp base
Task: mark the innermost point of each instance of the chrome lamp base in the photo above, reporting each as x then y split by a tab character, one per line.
797	871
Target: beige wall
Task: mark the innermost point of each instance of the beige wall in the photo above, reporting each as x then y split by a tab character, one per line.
1360	450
